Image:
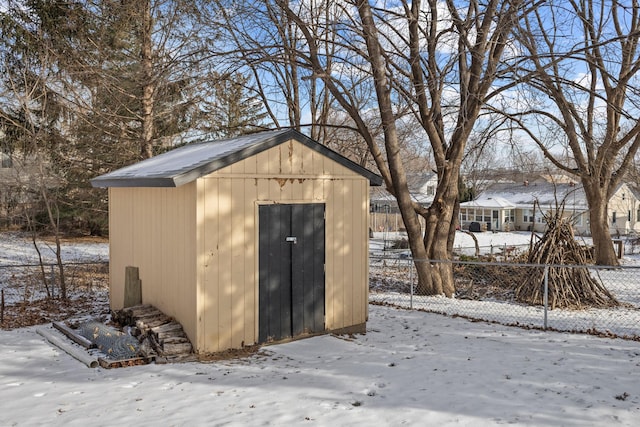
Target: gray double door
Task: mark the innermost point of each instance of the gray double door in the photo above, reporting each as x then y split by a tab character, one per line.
291	264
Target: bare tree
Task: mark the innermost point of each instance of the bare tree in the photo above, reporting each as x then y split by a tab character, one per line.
262	42
584	60
149	70
134	78
238	109
30	120
435	60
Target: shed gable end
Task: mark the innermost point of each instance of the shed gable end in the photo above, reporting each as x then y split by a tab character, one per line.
290	159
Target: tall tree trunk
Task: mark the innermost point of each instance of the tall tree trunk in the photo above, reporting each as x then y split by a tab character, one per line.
394	158
483	30
604	253
437	235
148	84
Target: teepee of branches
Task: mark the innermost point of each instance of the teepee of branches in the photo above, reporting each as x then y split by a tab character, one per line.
570	285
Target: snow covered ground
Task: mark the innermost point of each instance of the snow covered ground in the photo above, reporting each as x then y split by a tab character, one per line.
623	321
411	368
17	249
488	242
21	282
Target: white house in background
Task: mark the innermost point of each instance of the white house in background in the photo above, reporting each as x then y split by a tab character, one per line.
490	212
521	206
421	186
624	211
385	215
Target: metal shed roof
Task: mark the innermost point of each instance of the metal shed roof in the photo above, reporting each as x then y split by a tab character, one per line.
190	162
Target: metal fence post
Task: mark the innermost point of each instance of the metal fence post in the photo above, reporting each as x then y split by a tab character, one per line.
481	286
546	294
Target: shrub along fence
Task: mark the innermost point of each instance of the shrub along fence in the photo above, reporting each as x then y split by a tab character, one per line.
495	292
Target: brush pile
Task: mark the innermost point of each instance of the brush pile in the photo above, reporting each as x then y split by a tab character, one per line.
569	287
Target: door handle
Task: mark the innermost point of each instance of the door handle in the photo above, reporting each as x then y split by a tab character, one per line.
291	239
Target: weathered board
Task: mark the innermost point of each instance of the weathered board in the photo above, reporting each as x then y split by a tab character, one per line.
161	336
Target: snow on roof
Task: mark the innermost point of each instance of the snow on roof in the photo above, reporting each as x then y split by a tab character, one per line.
192	161
381	195
489	202
524	195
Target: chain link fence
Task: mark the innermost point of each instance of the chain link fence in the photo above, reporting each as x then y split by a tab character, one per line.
483	291
486	291
28	282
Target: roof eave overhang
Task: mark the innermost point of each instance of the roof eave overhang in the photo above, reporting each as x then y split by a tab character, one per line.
105	181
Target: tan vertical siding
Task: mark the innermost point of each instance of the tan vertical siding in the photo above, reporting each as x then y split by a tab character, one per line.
153	229
210	283
121	206
262	163
360	239
238	227
250	279
317	164
332	279
286	158
203	258
289	173
349	252
224	261
197	245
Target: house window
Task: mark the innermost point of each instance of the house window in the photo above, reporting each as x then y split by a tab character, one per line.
479	215
431	190
527	215
577	220
629	215
510	215
463	214
613	218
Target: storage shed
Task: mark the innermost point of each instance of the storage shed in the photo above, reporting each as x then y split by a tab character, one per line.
246	240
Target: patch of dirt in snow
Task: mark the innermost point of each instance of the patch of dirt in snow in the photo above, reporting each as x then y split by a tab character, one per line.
241	353
89	306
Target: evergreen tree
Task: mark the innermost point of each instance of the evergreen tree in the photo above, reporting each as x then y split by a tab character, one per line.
123	80
234	111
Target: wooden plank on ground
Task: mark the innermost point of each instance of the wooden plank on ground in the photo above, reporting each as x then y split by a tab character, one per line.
71	334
